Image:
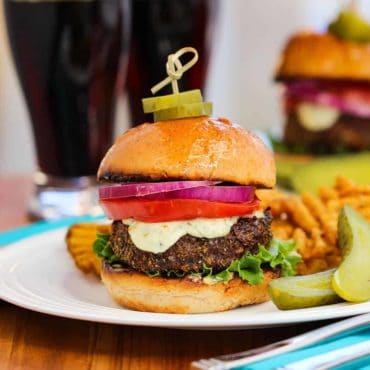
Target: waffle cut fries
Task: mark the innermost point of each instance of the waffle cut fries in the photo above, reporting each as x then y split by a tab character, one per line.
80	239
312	220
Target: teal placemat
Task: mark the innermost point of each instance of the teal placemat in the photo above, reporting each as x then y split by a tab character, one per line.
337	342
19	233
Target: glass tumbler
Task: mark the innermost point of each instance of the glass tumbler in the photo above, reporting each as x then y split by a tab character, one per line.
68	56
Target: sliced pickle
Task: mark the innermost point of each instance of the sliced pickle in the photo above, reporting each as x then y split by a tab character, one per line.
293	292
183	111
351	26
156	103
352	278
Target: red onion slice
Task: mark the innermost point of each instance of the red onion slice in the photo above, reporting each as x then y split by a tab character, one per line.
227	194
149	188
354	101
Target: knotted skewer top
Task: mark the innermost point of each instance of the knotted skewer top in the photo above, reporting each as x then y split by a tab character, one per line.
175	69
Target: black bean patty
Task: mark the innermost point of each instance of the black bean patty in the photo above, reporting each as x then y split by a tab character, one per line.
189	253
349	133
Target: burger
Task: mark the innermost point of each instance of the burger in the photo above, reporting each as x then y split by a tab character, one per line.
189	234
326	88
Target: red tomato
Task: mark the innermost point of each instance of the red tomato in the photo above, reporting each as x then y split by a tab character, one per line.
173	209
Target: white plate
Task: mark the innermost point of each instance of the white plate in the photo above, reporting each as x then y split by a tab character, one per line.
38	273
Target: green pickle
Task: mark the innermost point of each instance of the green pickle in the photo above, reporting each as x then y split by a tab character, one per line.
295	292
157	103
351	280
183	111
351	26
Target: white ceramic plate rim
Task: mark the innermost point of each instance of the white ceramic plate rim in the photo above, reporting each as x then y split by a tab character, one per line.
18	255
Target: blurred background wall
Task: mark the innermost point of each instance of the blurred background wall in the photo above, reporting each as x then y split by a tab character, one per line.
249	38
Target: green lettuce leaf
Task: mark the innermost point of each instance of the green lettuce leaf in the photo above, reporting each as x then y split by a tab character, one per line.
222	276
153	273
169	274
207	271
248	268
175	273
280	254
103	249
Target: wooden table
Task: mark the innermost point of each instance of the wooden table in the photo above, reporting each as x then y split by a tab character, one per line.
29	340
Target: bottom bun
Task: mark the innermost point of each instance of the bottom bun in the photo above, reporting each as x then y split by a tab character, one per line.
140	292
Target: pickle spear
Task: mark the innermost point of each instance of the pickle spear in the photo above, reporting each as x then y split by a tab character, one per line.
183	111
295	292
157	103
351	280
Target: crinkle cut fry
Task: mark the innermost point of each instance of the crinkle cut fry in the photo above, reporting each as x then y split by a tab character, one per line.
80	239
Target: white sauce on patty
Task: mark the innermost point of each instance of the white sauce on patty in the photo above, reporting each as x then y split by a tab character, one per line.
160	236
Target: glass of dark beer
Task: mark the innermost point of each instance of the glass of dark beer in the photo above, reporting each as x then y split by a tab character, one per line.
68	55
159	28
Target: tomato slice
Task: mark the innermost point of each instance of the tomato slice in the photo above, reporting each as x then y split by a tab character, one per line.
173	209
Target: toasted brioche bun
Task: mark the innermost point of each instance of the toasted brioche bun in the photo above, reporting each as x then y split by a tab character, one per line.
200	148
140	292
313	55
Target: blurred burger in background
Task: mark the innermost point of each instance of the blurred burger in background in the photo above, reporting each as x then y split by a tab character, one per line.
326	90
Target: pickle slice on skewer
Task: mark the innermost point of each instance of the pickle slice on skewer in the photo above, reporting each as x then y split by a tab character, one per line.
183	111
351	281
351	26
156	103
295	292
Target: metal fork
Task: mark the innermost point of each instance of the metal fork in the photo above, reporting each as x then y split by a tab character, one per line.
244	358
